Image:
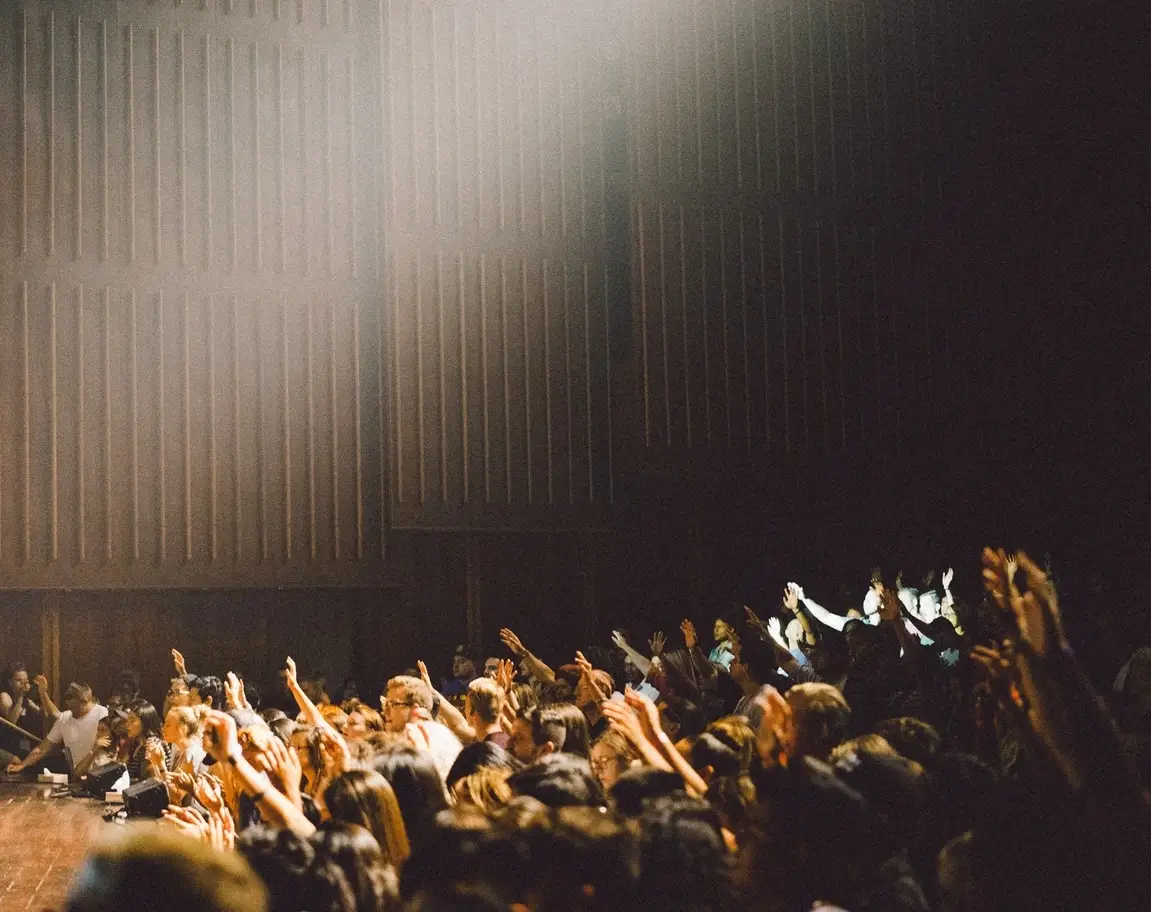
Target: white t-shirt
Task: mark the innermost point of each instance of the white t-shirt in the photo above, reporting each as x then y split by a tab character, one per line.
78	735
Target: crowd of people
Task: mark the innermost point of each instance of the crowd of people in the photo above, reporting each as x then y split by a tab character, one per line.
913	751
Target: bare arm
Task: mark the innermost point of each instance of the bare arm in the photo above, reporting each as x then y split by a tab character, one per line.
449	715
537	668
51	710
309	709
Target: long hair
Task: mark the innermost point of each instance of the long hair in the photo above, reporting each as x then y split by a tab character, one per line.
366	798
359	856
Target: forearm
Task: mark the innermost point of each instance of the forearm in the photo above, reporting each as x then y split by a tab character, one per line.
643	663
827	618
310	711
454	720
538	669
273	803
13	710
38	754
678	763
51	710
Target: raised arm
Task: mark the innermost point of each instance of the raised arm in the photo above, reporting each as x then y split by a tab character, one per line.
537	668
642	662
310	711
51	710
448	714
822	615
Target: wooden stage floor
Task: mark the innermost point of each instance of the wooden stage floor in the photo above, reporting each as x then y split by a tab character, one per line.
43	842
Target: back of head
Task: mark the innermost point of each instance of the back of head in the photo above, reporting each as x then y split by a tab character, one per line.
417	786
355	850
913	738
296	876
477	756
211	688
365	797
486	699
821	717
563	725
641	784
559	780
683	857
147	868
759	659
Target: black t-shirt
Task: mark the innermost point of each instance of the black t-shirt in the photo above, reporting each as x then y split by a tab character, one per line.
30	720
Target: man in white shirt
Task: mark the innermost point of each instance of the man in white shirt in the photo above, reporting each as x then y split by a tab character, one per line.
75	728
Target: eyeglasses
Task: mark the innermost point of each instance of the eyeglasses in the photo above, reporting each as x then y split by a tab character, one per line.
390	704
599	766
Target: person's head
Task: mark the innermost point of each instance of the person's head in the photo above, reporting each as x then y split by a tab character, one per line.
711	757
819	719
559	780
306	743
590	691
355	850
610	756
143	721
315	686
179	692
16	680
555	728
127	684
736	733
362	721
296	875
753	664
913	738
638	785
684	863
477	756
864	744
417	786
335	717
491	666
404	698
486	789
366	798
829	656
722	631
524	697
483	703
463	664
208	690
283	728
181	725
78	699
145	868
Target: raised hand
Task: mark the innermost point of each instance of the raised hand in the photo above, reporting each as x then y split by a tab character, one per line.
624	719
948	576
286	769
220	738
585	667
791	596
232	691
646	712
928	578
505	674
427	678
290	666
771	738
512	642
619	639
40	683
657	642
178	661
889	606
688	630
775	628
334	749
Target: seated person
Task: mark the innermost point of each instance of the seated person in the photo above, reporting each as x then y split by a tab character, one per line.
76	728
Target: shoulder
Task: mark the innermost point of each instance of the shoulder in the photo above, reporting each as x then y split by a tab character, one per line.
100	712
5	699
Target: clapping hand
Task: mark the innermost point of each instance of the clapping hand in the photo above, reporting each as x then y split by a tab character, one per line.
505	674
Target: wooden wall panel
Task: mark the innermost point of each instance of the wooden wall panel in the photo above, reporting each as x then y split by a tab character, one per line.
794	269
190	294
501	287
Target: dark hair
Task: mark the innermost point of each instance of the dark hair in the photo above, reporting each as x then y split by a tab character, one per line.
559	780
297	877
150	721
10	671
355	850
315	754
683	858
271	714
245	718
708	750
913	738
418	787
477	756
642	783
564	725
758	658
210	686
283	728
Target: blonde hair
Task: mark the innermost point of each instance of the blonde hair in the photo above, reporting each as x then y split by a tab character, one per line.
486	789
864	744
